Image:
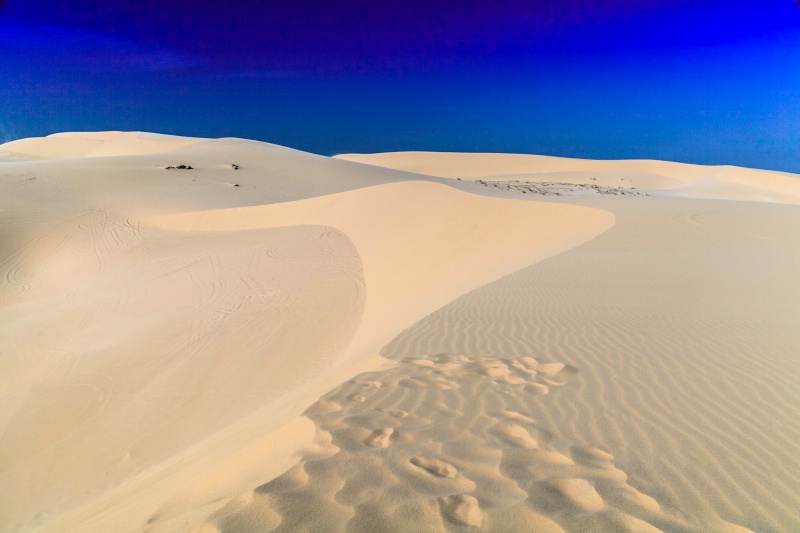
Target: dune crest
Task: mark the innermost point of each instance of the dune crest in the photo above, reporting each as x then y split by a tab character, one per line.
663	178
228	335
93	144
422	244
167	326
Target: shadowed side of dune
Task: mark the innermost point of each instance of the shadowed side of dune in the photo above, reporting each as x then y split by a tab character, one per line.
167	329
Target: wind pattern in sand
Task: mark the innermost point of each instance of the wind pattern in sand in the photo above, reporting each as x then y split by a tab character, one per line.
448	443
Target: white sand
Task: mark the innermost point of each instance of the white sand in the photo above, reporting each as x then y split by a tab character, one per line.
661	178
163	331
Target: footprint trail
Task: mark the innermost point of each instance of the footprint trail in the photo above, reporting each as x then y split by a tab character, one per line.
450	443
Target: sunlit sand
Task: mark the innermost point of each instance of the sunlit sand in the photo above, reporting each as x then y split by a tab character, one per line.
232	336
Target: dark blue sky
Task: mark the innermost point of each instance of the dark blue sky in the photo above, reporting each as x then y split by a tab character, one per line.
702	81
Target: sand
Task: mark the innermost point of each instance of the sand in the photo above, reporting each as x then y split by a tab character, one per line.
276	341
634	177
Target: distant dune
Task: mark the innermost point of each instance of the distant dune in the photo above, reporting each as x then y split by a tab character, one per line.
232	336
655	177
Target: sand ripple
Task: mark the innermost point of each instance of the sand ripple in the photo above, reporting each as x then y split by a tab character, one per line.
465	456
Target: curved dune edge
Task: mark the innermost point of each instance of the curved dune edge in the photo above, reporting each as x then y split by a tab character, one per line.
389	252
74	145
655	177
140	362
421	245
395	252
682	323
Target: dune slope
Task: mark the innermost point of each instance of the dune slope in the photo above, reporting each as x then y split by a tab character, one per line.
222	336
675	411
662	178
165	327
682	322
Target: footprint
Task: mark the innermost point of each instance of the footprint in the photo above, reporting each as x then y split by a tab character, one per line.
399	413
495	370
419	362
553	457
579	493
379	438
445	410
520	518
515	435
370	384
241	512
448	367
528	363
550	369
437	467
629	524
455	460
595	453
462	509
536	388
293	479
524	369
511	379
592	457
627	496
513	415
322	407
429	383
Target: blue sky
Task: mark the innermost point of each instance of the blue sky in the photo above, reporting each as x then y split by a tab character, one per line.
701	81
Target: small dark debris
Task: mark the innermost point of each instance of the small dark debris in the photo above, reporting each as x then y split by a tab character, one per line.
235	184
234	166
180	167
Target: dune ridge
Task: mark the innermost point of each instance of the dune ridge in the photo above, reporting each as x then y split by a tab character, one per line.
663	178
70	145
169	326
429	233
685	359
277	341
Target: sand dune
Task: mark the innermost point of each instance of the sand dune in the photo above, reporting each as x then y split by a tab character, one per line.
682	320
103	144
662	178
421	244
230	336
685	345
447	442
167	326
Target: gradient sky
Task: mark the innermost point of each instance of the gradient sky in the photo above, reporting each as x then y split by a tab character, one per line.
703	81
